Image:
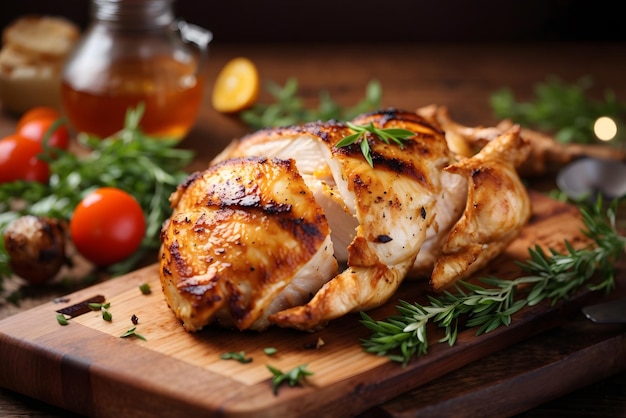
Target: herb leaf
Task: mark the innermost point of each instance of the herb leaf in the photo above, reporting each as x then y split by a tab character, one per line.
239	356
270	351
292	377
104	307
132	332
62	320
551	276
145	289
289	109
363	132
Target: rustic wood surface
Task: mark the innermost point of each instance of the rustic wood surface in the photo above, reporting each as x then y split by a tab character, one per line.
85	367
462	78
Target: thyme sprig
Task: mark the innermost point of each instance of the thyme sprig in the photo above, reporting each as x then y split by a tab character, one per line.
551	275
362	133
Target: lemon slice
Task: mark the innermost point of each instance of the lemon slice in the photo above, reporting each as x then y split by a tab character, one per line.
236	86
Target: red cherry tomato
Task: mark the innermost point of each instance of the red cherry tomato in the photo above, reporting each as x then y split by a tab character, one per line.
38	113
18	160
35	128
107	226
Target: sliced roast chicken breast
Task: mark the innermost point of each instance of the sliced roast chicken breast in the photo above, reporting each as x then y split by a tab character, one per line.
309	146
382	211
498	207
448	208
246	239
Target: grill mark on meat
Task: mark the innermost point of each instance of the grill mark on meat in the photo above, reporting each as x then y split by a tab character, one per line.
233	194
308	233
274	208
179	262
230	244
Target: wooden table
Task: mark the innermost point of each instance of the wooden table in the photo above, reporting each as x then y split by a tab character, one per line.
462	77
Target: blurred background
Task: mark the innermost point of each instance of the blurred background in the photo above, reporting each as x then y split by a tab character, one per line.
376	21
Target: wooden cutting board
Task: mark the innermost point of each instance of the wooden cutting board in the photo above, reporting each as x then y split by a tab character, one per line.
87	368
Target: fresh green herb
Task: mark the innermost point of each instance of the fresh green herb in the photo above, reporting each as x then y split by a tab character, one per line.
61	319
565	110
145	289
239	356
107	315
132	332
104	307
146	167
290	109
270	351
363	132
551	276
292	377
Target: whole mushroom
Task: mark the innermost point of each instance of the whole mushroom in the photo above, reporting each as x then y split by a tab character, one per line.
36	247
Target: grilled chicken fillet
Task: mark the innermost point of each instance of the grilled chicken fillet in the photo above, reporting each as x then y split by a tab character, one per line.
497	208
246	239
257	239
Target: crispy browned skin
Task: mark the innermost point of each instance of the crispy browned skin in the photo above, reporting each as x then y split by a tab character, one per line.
393	202
429	206
238	234
498	207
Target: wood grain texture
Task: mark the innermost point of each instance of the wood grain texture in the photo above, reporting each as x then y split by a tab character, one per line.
87	368
518	378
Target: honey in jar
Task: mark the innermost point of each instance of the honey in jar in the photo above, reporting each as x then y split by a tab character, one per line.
135	52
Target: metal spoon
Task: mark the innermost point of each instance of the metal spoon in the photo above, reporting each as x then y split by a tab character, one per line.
589	177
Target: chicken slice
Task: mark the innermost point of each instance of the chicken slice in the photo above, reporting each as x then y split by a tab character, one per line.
448	209
308	146
497	208
246	239
394	203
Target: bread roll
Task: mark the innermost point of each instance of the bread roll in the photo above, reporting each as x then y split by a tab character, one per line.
33	53
42	36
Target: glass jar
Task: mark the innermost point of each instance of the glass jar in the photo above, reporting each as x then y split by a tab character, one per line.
133	52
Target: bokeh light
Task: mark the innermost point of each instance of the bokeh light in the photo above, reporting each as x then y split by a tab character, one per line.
605	128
